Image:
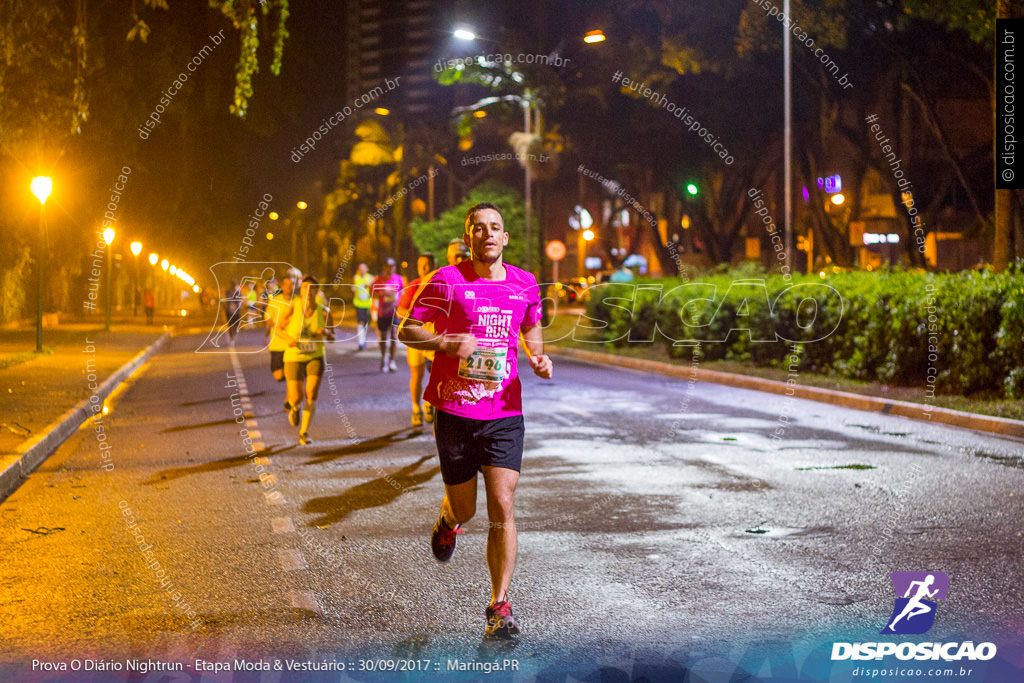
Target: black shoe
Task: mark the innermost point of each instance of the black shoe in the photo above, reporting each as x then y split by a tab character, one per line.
287	405
500	622
443	538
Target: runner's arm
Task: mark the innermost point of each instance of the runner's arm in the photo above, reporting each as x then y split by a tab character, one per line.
328	331
412	333
533	342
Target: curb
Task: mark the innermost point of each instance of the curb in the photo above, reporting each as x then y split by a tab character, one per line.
916	411
32	452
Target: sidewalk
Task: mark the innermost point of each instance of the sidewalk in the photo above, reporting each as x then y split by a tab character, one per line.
39	392
916	411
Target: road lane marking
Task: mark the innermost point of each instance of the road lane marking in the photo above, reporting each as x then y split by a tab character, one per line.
307	601
282	525
291	559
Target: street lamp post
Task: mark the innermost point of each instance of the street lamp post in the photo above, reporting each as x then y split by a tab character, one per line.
108	237
136	249
41	187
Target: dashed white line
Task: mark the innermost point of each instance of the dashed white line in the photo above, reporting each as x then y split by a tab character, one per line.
282	525
291	559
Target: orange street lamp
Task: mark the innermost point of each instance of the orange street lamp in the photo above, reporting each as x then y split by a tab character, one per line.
108	237
595	36
136	248
153	258
41	186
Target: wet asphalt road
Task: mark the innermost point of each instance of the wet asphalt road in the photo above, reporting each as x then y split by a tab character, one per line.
655	517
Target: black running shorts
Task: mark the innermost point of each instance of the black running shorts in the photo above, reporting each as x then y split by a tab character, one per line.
464	445
276	361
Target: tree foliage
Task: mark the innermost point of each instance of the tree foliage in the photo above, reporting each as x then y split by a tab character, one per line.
434	236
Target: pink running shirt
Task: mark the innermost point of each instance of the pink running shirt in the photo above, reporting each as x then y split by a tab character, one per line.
456	300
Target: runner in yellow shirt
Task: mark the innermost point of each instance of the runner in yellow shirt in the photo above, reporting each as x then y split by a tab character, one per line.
308	325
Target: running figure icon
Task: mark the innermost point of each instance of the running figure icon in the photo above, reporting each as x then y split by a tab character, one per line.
916	608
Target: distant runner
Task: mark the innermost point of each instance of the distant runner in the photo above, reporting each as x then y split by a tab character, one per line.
386	289
362	301
307	326
419	361
480	308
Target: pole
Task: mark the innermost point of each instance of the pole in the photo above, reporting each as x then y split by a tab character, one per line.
430	194
107	326
788	138
39	268
526	124
135	288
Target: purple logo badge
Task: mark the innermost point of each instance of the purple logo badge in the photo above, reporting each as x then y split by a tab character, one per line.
917	596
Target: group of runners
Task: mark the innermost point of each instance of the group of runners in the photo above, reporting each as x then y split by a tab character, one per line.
462	325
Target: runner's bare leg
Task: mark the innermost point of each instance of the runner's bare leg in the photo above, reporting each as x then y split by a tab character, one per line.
502	542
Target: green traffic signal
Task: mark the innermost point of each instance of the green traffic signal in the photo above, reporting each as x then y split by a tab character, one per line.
691	188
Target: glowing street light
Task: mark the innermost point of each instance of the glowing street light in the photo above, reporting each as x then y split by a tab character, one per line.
136	248
588	235
173	270
108	236
153	258
464	34
838	199
164	264
381	111
595	36
41	186
302	205
274	215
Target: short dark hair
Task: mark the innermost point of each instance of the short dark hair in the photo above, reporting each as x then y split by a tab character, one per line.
311	280
429	255
480	207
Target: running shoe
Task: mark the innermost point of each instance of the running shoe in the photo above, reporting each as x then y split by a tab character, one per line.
293	416
428	412
304	439
383	365
500	622
442	540
392	366
417	418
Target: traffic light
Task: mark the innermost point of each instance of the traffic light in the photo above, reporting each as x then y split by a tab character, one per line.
692	189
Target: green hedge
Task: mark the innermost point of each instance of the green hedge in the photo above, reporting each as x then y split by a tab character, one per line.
870	326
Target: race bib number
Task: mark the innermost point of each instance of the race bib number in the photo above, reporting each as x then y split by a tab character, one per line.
307	347
485	365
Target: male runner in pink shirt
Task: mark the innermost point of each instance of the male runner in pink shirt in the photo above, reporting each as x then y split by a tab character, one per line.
479	309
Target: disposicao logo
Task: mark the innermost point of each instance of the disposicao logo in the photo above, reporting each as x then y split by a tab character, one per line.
917	596
914	613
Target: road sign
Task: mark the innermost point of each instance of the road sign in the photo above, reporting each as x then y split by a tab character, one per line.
555	250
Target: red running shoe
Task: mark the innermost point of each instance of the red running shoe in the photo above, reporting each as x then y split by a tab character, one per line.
500	621
442	540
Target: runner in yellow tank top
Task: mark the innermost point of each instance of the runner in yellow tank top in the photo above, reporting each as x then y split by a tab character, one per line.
306	328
